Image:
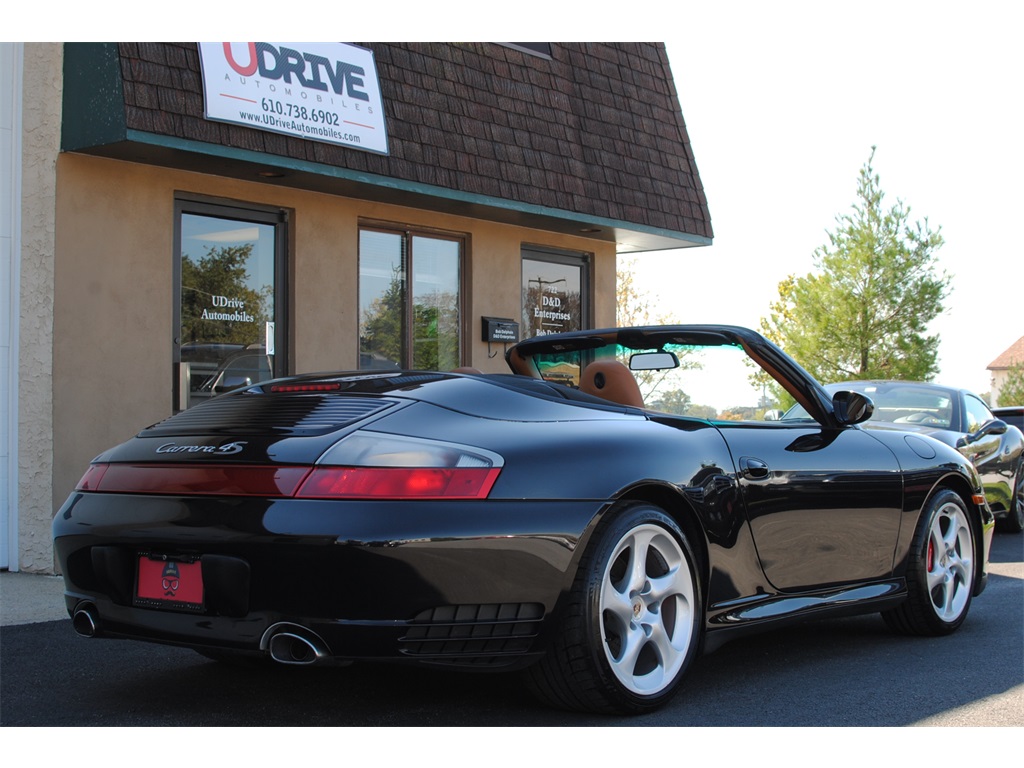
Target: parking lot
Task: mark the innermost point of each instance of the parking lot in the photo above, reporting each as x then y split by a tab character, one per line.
845	672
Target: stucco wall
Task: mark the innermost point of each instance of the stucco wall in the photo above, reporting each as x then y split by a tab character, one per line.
113	316
41	118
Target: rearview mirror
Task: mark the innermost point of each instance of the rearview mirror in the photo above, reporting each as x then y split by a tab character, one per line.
852	407
653	361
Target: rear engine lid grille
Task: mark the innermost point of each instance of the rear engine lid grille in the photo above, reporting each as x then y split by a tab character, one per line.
305	414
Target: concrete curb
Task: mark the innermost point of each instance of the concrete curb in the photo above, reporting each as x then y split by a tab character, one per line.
30	598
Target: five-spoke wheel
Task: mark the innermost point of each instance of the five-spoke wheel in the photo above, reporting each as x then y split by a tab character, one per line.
647	606
949	562
940	570
633	623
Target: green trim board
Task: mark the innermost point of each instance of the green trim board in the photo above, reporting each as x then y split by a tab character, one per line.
93	96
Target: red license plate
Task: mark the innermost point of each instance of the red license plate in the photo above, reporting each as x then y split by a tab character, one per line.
165	582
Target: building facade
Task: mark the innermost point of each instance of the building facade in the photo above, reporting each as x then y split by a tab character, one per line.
1001	367
180	219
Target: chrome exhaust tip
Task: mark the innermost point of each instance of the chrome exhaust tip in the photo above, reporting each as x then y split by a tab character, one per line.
85	621
292	644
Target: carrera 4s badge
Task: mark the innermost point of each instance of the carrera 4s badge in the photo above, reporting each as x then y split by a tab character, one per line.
220	450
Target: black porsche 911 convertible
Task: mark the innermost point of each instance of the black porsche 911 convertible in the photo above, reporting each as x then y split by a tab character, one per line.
544	520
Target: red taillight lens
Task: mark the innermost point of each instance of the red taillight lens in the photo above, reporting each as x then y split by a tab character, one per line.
188	480
398	483
325	387
92	478
362	466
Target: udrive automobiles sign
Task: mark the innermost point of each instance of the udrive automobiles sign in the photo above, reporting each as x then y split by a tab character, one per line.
322	91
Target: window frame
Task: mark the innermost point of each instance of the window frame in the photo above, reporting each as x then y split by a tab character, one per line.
581	259
280	219
408	234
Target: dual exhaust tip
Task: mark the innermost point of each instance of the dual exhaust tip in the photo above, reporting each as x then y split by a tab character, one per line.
292	644
286	643
85	620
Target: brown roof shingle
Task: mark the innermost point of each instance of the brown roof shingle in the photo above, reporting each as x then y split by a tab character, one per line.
596	129
1010	357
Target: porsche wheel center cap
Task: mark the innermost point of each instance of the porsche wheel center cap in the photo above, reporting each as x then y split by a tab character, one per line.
638	607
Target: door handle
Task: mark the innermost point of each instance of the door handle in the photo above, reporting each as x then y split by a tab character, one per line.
754	469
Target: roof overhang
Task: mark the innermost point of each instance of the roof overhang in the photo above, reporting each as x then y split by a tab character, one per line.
94	123
244	164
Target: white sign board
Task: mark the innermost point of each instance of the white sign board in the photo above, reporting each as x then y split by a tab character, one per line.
322	91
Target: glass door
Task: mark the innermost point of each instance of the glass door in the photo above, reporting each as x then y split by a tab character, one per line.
555	292
227	279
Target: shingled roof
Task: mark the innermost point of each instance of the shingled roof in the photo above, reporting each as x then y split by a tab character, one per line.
593	134
1010	357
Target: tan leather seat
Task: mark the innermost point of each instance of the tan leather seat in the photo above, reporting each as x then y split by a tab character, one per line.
611	380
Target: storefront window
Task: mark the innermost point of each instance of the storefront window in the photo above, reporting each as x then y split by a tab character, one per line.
553	293
227	279
555	300
409	301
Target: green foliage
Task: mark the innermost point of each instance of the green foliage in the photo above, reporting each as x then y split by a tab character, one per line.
673	401
380	333
865	313
702	412
1012	391
435	328
222	272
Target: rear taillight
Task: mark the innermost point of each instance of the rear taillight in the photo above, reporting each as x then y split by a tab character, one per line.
397	483
193	480
373	465
363	466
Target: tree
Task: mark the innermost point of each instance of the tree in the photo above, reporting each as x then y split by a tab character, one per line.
633	307
216	303
1012	391
673	401
865	314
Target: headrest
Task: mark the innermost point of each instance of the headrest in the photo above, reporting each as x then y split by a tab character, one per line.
611	380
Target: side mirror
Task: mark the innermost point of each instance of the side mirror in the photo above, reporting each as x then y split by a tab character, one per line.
852	407
653	361
991	427
229	383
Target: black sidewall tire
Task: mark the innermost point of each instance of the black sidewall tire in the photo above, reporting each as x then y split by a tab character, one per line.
1014	521
628	519
918	614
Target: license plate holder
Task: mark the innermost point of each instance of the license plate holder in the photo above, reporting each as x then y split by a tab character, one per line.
169	583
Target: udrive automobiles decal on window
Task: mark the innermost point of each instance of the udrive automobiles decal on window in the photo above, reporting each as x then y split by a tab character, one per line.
322	91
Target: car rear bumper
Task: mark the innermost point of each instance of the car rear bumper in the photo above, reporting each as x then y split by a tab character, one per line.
464	582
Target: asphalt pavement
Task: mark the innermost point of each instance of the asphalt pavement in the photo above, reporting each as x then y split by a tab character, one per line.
836	672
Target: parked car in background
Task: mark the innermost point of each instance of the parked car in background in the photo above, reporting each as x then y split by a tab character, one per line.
240	369
1011	414
959	418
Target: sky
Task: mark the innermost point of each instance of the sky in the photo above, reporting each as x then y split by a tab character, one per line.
783	103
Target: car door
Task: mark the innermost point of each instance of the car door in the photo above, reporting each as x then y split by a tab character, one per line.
824	506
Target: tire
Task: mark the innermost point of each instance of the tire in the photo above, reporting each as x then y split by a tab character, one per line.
1014	520
940	570
634	619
